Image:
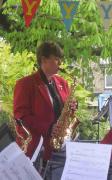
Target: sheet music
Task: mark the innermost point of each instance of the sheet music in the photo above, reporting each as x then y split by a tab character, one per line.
9	153
19	169
15	165
86	161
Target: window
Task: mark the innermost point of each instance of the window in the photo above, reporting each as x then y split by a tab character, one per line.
104	61
108	80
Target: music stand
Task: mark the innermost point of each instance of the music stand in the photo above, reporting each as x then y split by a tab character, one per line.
6	136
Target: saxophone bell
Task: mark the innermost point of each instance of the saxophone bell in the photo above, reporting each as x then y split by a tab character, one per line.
28	138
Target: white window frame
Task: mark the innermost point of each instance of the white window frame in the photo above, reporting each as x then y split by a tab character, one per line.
107	87
104	61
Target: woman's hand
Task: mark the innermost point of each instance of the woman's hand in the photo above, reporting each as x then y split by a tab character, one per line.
73	105
56	128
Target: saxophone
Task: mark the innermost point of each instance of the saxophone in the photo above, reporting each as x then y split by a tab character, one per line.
66	121
13	123
25	141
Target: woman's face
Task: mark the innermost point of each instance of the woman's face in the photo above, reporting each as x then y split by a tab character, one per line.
51	64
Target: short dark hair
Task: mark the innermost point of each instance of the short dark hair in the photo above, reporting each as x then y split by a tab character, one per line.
47	49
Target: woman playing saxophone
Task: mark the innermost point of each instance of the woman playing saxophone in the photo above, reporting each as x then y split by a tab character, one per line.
39	98
66	122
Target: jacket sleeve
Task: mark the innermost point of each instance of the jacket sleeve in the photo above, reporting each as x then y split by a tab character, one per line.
108	138
22	107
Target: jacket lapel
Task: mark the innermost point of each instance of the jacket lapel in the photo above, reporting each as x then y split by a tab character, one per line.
44	92
59	87
40	86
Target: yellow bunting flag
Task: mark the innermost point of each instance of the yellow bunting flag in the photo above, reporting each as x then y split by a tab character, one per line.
68	9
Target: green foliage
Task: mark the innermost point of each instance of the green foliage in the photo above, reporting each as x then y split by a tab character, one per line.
85	42
4	117
86	31
88	130
13	67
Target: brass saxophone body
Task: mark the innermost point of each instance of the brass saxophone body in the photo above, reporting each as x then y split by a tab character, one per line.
66	121
28	137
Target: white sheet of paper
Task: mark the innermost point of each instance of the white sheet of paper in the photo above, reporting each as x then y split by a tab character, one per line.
35	155
15	165
9	153
19	169
86	161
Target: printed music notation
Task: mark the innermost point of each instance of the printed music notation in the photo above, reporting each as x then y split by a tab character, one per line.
14	165
86	161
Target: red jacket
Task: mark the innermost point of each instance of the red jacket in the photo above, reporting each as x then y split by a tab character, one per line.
108	138
33	105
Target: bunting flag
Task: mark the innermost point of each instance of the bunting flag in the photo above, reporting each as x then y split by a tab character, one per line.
29	9
68	9
105	8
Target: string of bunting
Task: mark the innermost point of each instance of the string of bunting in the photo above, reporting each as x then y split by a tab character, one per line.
68	11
